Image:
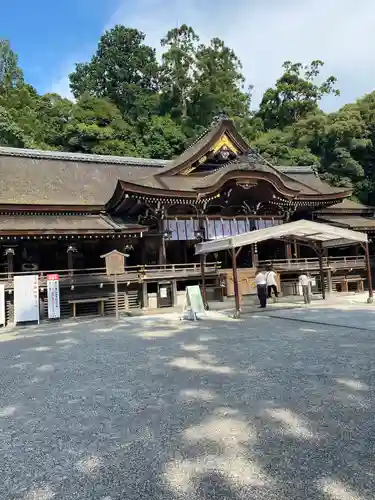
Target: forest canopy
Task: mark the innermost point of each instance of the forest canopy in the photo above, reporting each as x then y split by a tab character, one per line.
128	102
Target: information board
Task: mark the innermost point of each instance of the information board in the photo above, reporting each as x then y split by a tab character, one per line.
53	295
26	298
2	305
193	302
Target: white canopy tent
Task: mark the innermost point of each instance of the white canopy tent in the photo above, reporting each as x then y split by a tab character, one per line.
329	236
318	236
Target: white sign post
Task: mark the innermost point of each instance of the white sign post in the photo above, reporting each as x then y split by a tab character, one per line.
2	305
26	298
53	296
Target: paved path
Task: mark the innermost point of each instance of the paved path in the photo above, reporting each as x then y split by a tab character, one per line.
151	409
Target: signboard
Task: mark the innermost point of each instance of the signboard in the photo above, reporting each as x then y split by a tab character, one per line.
2	305
114	262
193	302
26	298
53	295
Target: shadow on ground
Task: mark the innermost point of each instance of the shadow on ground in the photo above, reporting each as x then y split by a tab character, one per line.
349	316
160	409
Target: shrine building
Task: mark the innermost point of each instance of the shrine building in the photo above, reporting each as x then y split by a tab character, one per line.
60	212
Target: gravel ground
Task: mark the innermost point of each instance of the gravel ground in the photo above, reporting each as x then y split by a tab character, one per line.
152	409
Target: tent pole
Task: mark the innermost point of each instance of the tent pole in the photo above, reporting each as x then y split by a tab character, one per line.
235	284
369	275
321	270
204	290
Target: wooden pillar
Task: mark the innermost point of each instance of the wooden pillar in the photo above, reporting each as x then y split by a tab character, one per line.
295	249
254	255
288	251
235	284
9	253
162	249
329	280
174	293
184	250
126	299
70	251
204	291
321	270
369	275
144	296
143	251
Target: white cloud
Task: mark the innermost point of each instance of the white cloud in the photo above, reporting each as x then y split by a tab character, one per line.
265	33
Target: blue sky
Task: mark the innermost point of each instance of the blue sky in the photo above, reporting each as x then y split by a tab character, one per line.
50	36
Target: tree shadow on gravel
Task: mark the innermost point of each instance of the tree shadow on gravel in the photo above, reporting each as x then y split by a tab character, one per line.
347	316
251	409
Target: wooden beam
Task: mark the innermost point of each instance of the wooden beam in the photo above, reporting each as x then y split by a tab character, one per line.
204	290
237	311
369	274
320	252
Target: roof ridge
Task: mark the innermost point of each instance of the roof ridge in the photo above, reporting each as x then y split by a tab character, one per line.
83	157
298	169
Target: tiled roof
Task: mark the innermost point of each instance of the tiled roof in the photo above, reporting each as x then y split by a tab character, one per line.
55	224
42	179
351	222
347	205
81	157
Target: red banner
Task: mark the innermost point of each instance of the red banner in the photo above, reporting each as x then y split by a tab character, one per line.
53	277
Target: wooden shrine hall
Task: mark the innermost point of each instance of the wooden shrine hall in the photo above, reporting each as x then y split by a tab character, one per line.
61	211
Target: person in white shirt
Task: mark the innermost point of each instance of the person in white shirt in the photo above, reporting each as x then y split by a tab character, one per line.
261	283
304	281
271	283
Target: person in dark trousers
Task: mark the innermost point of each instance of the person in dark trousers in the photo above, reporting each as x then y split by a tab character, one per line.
261	283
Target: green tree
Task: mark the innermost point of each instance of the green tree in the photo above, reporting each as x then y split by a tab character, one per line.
123	70
97	126
281	147
54	113
177	71
10	133
218	85
162	137
295	95
21	103
10	73
366	108
345	142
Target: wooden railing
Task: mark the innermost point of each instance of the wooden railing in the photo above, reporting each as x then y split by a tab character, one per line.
133	274
310	264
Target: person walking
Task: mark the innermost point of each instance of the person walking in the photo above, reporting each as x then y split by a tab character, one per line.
261	283
271	279
305	280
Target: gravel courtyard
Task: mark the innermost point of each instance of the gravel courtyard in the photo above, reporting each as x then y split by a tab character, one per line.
151	409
